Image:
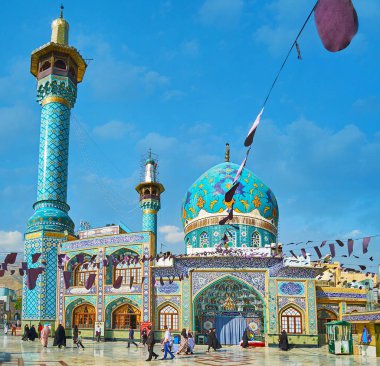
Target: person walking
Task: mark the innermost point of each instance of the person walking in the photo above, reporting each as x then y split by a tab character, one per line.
283	342
32	333
75	334
131	338
365	340
79	341
150	342
45	335
183	345
25	336
6	329
98	332
144	336
190	342
14	329
60	337
167	344
245	339
39	329
210	340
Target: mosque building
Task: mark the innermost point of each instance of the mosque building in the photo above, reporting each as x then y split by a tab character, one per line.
254	286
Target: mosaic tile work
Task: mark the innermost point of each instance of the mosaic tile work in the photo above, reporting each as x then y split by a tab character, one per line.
54	152
370	316
291	288
146	287
170	299
40	303
168	288
186	301
272	292
311	309
106	241
332	307
322	294
70	305
202	279
286	300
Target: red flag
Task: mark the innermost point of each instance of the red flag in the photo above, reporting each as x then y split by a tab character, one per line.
21	271
242	165
337	23
323	243
350	246
2	272
90	281
131	281
251	134
319	254
118	282
10	258
365	244
340	243
66	278
230	193
36	257
332	250
292	253
303	251
31	279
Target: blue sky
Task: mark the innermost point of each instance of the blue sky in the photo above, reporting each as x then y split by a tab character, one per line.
184	77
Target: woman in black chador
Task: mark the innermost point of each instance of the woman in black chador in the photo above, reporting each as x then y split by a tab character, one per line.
32	333
60	337
212	341
245	338
25	336
283	341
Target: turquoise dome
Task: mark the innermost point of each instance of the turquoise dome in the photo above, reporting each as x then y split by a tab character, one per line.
253	198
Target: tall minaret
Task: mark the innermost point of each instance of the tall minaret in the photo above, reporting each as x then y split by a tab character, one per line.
58	68
150	191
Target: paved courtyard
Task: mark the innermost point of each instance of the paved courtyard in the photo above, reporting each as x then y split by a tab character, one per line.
16	352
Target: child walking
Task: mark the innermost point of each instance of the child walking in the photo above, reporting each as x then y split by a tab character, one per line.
79	341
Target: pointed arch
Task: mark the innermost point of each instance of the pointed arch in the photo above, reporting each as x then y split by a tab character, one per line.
256	239
168	315
109	309
292	319
204	240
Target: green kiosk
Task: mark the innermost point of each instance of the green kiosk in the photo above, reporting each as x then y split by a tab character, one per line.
339	335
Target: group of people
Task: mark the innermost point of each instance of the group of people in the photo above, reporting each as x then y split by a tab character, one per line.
8	326
30	334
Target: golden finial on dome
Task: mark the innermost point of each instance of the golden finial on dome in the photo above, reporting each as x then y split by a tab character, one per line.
227	155
60	30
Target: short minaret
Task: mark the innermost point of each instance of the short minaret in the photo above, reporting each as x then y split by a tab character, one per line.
150	191
58	68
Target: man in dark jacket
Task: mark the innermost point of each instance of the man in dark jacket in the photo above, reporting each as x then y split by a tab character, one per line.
150	342
60	337
131	338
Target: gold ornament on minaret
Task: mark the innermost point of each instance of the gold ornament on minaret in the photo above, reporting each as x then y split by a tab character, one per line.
60	30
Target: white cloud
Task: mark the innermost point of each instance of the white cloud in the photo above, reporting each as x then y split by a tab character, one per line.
172	234
11	241
113	130
221	12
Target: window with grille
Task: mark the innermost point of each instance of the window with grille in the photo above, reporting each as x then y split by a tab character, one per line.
256	240
84	316
83	271
125	316
122	269
291	321
204	240
168	317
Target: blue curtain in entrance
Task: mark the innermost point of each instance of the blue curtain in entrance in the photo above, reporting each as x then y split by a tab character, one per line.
229	330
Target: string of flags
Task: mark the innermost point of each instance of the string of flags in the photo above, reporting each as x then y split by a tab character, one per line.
337	23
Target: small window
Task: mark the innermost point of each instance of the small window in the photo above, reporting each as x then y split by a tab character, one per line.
59	64
256	240
147	191
204	240
291	321
45	66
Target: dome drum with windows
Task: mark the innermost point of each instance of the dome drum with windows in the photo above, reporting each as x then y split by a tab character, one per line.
255	208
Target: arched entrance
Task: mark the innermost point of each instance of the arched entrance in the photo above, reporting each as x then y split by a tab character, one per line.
325	316
229	305
125	316
84	316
